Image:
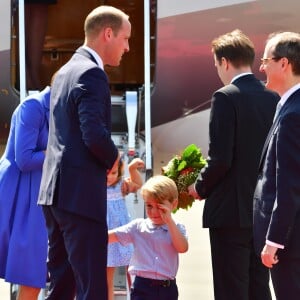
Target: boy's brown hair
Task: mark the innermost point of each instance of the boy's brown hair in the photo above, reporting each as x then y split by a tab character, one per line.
161	188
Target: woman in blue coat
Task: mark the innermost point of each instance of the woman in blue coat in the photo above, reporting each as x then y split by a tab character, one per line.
23	235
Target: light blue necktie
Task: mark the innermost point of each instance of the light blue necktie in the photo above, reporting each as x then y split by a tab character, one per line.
278	107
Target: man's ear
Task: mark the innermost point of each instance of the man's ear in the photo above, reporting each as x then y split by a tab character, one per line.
108	33
284	62
225	62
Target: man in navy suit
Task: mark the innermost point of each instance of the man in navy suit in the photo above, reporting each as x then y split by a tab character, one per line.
241	116
80	153
277	194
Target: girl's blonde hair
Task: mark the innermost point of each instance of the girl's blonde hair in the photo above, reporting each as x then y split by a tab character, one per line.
161	188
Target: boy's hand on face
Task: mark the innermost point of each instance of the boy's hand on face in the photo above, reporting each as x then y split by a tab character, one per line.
165	212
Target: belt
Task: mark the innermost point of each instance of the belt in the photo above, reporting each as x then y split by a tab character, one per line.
157	282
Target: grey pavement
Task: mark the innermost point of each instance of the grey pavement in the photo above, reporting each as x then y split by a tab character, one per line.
4	290
194	275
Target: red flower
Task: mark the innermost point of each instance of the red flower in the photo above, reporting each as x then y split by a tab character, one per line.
187	171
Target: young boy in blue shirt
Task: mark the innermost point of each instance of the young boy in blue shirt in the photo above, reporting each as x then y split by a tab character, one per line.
157	240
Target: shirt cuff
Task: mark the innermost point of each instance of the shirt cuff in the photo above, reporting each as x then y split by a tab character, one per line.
200	198
274	244
195	188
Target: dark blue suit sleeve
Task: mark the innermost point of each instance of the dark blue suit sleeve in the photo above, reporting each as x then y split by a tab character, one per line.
94	112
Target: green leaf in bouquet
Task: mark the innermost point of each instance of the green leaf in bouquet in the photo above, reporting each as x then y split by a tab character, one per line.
191	153
199	164
182	165
171	169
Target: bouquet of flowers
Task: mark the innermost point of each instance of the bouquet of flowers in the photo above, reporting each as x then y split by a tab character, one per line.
184	170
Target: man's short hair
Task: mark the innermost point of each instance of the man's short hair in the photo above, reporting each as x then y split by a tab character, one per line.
234	46
102	17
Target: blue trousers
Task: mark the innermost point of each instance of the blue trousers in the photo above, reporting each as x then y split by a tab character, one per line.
150	289
77	256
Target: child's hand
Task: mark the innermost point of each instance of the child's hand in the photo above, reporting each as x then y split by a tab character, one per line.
136	163
134	181
165	212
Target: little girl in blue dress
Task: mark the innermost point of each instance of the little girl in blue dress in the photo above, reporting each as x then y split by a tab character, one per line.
117	214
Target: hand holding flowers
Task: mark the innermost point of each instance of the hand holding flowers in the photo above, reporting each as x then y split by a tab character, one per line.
192	192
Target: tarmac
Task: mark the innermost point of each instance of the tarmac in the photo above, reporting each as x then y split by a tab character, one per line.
4	290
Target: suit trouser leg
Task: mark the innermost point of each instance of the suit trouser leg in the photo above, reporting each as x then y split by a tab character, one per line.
62	282
233	266
85	243
259	287
286	279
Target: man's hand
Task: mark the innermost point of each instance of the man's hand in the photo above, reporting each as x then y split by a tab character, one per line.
268	256
192	192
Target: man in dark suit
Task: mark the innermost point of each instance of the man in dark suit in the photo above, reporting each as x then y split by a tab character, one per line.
277	194
241	115
79	154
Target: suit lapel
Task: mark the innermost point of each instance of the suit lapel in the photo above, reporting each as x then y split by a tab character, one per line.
273	128
271	131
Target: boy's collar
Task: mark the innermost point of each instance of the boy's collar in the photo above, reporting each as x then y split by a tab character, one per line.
154	226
